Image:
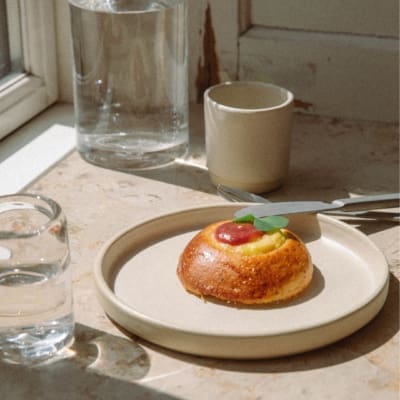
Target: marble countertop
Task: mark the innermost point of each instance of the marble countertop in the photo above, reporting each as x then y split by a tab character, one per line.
330	159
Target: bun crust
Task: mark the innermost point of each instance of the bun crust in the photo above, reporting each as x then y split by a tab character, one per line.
208	267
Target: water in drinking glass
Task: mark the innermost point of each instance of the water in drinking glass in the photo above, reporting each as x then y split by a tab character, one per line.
36	317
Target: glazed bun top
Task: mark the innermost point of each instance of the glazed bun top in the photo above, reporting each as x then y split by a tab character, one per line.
238	263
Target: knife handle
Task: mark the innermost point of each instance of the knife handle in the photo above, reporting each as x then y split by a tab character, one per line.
371	202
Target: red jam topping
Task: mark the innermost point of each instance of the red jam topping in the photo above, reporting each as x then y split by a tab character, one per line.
237	233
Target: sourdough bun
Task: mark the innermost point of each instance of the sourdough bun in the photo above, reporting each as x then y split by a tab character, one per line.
255	274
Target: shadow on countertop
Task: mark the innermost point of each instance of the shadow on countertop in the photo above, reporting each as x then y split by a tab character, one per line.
97	366
330	159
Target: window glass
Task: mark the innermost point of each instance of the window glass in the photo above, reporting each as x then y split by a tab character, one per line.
10	40
28	78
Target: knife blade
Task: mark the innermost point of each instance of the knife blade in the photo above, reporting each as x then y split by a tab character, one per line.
298	207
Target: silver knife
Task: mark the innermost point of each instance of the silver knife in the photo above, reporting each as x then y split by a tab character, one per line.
297	207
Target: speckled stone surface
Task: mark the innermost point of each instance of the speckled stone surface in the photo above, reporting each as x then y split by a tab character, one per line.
330	159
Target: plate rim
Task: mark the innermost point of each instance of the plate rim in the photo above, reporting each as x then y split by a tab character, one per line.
105	291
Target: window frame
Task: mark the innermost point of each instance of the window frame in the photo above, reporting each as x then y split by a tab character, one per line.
27	94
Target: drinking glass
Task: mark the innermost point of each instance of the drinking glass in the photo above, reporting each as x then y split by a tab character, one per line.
36	315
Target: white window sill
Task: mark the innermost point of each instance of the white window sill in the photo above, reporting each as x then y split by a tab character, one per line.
29	152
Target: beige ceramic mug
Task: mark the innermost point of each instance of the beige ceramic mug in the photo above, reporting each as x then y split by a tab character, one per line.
247	127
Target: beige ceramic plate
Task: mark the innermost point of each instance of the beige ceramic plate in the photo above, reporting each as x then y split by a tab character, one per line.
137	285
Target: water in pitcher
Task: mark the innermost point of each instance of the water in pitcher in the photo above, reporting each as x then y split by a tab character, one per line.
130	81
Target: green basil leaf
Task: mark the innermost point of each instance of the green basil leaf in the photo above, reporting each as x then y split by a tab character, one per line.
245	218
265	224
262	224
277	221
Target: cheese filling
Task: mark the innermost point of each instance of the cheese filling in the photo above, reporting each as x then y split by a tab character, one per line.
264	244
